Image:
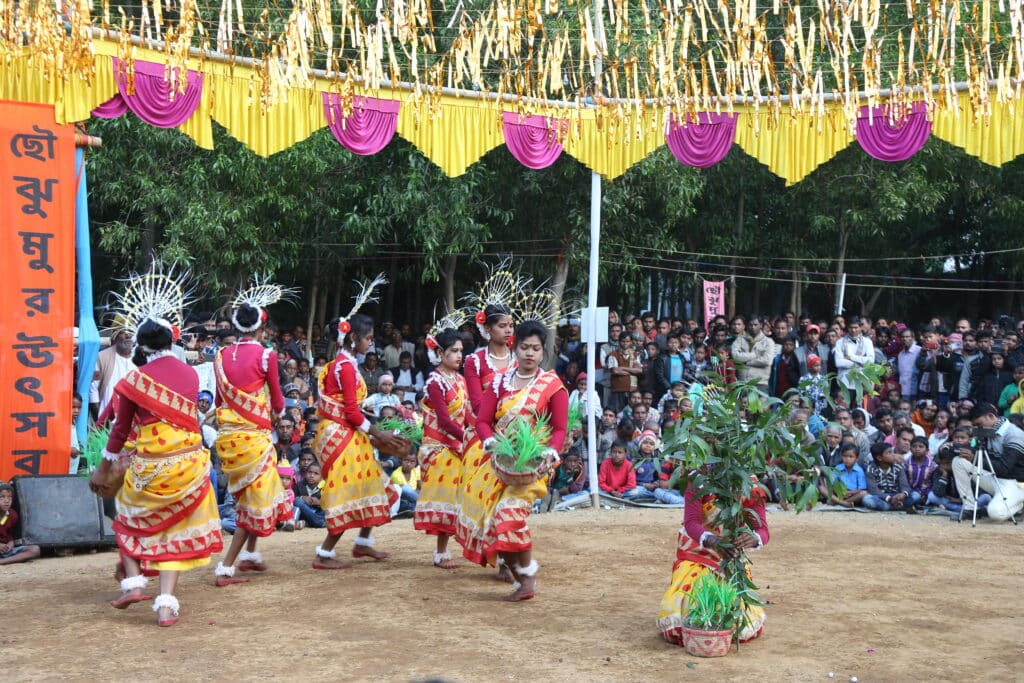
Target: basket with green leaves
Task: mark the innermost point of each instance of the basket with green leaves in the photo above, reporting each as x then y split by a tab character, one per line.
92	453
714	611
517	454
574	418
403	429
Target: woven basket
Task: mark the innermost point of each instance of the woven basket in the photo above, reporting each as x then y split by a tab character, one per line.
503	470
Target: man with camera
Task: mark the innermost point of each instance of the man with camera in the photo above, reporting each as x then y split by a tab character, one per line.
1005	446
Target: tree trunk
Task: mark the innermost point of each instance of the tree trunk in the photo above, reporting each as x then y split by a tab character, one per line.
448	275
736	248
314	291
321	307
558	289
844	237
148	245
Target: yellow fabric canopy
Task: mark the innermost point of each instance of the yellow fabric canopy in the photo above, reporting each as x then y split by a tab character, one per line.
454	132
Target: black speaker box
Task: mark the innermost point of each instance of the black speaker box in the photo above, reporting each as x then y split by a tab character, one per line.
60	510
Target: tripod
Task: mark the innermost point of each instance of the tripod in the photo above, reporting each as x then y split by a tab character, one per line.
982	466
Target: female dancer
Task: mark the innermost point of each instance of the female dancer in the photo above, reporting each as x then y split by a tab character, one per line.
527	391
356	494
698	554
167	518
494	321
446	411
243	440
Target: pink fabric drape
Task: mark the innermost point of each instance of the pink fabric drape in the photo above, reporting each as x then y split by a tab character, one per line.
368	129
887	141
533	140
152	100
701	143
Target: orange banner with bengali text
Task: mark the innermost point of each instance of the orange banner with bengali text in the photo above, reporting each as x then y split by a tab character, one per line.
37	307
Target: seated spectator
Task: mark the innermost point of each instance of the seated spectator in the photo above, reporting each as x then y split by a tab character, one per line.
924	416
1012	391
283	438
616	476
579	395
940	431
943	486
646	464
831	453
408	478
1005	448
10	551
287	474
888	488
305	459
883	428
371	372
920	467
570	482
853	477
385	397
665	493
307	498
901	418
901	442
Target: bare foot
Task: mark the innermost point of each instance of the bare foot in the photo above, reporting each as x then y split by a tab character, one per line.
367	551
327	563
447	563
504	574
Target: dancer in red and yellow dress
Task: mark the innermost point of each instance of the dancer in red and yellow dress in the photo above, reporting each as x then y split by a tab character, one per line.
167	518
446	412
246	373
494	320
697	554
525	391
356	493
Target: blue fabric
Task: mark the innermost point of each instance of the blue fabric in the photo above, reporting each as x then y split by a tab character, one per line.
88	333
854	480
675	373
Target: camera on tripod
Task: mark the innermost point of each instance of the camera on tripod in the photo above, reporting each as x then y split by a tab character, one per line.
983	434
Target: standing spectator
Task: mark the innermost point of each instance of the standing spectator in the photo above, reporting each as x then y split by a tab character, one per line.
408	380
951	362
672	365
990	385
814	386
625	369
969	355
811	346
1012	391
981	365
371	371
754	353
785	371
649	364
112	363
906	364
607	349
852	351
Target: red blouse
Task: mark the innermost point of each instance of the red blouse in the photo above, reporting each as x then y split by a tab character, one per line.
168	371
248	365
556	406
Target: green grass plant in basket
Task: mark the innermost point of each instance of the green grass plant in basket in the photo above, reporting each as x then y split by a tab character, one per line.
518	452
92	453
404	429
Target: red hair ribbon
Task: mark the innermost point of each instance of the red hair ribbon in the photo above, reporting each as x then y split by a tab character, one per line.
481	318
344	327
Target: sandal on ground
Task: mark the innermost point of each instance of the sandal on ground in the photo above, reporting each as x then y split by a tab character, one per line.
169	602
131	592
444	560
251	562
529	571
225	576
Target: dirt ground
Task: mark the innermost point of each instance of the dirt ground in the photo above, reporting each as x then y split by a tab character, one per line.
880	597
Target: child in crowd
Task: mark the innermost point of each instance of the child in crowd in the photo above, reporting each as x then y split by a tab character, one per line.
646	466
10	552
888	488
724	367
1012	391
814	386
852	475
943	487
571	482
920	467
616	476
408	478
307	499
287	512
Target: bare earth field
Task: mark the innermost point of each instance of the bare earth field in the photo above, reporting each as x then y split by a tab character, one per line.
877	596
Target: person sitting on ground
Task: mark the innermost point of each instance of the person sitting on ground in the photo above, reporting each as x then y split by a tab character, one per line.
888	488
1005	448
884	427
902	436
407	478
920	467
646	464
10	551
665	493
616	476
571	482
853	477
289	513
307	499
943	486
830	454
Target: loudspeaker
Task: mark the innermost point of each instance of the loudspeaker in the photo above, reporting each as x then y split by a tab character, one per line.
60	510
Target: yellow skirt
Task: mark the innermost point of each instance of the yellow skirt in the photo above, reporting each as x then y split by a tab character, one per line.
675	604
506	529
437	509
478	496
356	494
166	509
250	463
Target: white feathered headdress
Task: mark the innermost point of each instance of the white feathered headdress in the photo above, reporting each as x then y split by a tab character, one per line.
260	295
160	295
502	287
364	297
453	320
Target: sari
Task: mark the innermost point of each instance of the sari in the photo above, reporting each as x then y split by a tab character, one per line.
356	492
248	457
693	561
167	515
440	459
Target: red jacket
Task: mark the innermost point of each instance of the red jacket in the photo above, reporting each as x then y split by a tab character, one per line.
616	479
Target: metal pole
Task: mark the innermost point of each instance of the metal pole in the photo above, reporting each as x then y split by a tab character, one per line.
595	251
841	295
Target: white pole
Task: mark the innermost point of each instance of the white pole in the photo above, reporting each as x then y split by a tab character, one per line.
841	295
595	251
